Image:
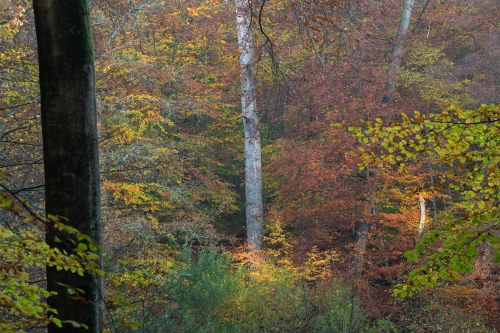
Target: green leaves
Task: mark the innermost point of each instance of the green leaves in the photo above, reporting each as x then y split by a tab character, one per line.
468	142
82	247
24	253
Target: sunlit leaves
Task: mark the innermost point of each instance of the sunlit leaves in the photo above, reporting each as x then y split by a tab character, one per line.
468	142
23	258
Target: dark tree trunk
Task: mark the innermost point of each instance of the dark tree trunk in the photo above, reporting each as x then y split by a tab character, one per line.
360	237
69	127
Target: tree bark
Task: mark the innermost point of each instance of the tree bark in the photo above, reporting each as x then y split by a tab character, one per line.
70	147
434	206
360	237
397	51
361	228
421	225
253	168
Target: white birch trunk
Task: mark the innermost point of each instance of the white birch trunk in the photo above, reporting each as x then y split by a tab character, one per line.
421	225
397	51
253	169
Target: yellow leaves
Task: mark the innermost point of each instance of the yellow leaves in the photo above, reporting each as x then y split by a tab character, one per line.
22	297
318	263
426	71
193	11
5	174
135	194
26	252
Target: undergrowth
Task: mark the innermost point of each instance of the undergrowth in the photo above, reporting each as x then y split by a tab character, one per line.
208	291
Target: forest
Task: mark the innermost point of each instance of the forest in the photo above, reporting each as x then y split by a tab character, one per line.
250	166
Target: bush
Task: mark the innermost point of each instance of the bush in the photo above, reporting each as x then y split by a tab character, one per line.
208	292
437	312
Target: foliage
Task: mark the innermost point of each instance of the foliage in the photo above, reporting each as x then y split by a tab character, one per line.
436	311
428	74
171	153
467	141
208	292
24	255
170	133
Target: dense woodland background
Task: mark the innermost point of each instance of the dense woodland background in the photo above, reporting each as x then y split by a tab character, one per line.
340	209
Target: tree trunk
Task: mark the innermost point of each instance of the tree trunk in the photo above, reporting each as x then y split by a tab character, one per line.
421	225
397	51
434	206
69	129
360	238
253	169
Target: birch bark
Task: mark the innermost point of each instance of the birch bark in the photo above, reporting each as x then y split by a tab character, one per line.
421	225
397	51
253	168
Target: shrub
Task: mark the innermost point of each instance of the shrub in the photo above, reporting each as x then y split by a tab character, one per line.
208	292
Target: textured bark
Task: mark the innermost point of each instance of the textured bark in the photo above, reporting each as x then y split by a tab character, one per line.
253	169
397	51
69	128
421	225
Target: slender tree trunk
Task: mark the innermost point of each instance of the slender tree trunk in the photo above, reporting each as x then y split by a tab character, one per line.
360	237
397	51
253	169
421	225
69	128
434	210
434	206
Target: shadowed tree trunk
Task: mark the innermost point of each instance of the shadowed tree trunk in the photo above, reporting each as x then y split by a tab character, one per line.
360	237
69	127
253	168
361	228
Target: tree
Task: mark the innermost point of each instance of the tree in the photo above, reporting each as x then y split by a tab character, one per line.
397	51
253	166
362	227
69	131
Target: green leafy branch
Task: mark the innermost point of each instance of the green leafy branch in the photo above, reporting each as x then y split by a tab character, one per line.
468	142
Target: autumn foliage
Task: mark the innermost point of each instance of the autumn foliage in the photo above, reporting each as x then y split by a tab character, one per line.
345	170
